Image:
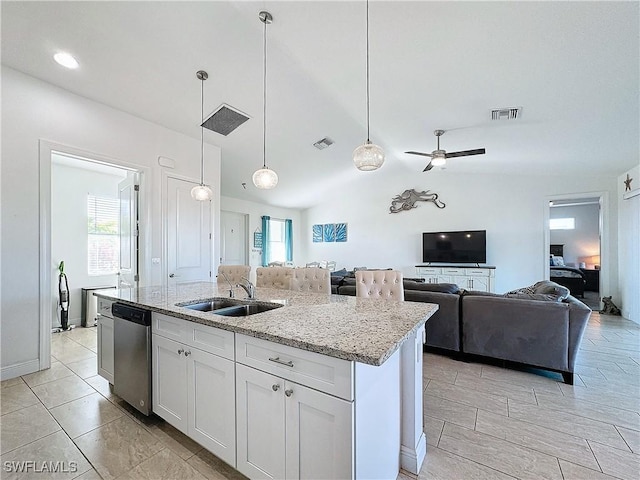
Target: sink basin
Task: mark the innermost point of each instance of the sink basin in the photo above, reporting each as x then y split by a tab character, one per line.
246	309
230	307
213	304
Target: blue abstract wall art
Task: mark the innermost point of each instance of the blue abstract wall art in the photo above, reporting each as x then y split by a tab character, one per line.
329	232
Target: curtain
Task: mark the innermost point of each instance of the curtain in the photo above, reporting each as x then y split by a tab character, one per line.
266	250
288	239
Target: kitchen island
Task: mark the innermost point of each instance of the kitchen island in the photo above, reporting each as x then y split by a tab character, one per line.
321	386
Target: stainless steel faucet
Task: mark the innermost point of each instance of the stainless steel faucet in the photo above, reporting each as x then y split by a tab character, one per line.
250	288
230	284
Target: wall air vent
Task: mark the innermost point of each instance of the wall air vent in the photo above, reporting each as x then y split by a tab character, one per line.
323	143
225	119
507	113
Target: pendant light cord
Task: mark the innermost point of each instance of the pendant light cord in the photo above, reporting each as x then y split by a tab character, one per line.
264	101
201	131
368	140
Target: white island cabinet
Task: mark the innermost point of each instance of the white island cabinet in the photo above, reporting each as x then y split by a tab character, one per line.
193	389
105	339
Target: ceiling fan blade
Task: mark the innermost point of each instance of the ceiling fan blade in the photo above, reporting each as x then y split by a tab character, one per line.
420	153
428	167
465	153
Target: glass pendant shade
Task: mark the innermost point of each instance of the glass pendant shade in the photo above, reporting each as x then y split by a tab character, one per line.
265	178
438	160
201	193
368	157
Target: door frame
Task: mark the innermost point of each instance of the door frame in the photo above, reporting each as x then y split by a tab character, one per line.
46	148
603	225
213	261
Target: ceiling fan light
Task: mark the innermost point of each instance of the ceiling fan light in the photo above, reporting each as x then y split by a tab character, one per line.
438	160
201	193
265	178
368	157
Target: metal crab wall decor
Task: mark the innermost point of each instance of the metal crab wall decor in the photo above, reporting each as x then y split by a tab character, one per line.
407	200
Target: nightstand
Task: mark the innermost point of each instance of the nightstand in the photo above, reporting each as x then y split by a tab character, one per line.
593	279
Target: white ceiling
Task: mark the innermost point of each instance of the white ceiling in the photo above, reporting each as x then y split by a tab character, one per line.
572	66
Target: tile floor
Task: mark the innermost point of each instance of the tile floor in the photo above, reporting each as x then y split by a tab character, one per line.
482	421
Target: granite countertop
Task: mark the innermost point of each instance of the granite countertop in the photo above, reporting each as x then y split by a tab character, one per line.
359	329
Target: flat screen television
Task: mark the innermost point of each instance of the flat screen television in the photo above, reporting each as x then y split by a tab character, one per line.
468	246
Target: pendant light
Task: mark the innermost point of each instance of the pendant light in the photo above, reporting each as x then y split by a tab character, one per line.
265	178
201	192
368	156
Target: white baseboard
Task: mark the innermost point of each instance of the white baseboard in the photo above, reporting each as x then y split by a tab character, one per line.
411	459
19	369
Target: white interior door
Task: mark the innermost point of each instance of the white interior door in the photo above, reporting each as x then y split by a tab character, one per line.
234	239
188	231
128	192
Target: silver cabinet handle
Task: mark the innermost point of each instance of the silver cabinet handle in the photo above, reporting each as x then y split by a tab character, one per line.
275	387
288	392
187	353
180	351
277	360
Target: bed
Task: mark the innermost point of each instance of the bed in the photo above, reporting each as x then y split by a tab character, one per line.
572	278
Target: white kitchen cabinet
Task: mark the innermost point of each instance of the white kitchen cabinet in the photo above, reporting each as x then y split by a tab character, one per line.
105	340
289	431
469	278
194	391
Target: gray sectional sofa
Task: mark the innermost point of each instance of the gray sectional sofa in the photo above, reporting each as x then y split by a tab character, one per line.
539	326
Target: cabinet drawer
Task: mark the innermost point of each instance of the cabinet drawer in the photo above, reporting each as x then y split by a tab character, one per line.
478	272
210	339
327	374
428	270
168	327
453	271
104	307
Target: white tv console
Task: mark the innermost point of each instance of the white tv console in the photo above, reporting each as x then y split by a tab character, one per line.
469	278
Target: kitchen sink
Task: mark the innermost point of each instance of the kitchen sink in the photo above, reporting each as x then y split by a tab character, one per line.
213	304
246	309
230	307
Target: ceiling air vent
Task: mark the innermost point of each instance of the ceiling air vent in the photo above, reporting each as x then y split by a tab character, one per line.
225	119
323	143
508	113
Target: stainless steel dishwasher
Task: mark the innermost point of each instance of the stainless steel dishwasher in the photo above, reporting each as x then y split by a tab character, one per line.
132	355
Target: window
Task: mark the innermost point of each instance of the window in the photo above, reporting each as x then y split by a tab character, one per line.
562	223
277	249
103	239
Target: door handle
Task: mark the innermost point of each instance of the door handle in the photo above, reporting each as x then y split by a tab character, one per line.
171	275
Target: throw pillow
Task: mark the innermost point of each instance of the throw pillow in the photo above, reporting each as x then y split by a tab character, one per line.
526	290
558	261
339	273
534	296
551	288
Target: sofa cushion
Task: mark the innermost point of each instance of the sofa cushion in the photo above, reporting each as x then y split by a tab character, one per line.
551	288
545	297
336	280
432	287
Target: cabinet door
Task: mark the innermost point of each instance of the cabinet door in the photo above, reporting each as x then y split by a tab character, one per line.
479	283
212	410
169	372
260	423
105	347
319	432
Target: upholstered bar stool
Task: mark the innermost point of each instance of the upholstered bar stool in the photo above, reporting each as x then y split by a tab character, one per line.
379	284
274	277
234	273
312	279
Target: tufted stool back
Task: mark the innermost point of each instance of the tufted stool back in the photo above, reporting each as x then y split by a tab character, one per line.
311	279
379	284
233	272
274	277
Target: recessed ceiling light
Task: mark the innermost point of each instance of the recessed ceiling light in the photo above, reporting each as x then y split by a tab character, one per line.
66	60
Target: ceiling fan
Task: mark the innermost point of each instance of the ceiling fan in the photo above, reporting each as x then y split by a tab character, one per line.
438	157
